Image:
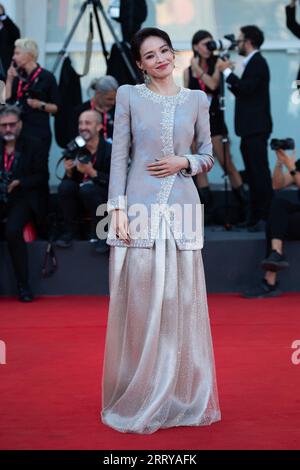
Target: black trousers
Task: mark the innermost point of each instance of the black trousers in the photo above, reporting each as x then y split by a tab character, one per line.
254	150
74	197
17	214
283	222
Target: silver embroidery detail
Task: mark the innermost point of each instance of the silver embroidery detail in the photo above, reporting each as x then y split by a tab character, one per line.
118	202
180	98
197	163
169	104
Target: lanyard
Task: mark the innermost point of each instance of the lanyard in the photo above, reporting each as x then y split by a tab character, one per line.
104	115
22	89
8	161
201	83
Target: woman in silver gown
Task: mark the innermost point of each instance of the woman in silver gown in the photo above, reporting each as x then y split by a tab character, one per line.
159	364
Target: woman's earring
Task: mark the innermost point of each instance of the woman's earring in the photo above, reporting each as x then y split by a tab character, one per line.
147	79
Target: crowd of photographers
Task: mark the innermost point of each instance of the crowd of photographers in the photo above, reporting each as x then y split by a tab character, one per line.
25	138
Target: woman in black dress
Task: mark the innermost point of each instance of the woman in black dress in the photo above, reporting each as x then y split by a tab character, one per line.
203	75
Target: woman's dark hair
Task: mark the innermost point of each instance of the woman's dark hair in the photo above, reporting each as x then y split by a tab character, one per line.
199	36
142	35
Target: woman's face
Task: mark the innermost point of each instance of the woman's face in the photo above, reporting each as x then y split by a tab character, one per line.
157	59
21	57
201	48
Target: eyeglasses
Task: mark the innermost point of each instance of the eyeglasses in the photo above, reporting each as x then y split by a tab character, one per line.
9	124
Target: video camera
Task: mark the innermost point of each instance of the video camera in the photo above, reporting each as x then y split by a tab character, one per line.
282	144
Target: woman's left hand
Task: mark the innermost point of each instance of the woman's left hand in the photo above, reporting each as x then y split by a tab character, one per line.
167	166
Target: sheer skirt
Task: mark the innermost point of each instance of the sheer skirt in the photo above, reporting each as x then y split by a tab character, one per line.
159	364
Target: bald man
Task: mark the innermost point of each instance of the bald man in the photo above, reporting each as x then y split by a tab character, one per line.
85	185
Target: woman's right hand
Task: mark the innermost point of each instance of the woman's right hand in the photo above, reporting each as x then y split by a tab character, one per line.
120	225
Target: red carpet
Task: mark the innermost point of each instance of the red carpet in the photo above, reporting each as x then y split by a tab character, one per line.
50	385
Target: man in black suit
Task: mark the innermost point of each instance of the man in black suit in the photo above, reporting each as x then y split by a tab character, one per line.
23	177
253	122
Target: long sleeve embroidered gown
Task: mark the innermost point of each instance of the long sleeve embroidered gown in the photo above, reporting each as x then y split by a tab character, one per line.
159	364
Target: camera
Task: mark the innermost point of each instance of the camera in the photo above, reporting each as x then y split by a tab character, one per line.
5	180
76	150
282	144
227	43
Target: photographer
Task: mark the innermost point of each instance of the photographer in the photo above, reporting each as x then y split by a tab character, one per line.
204	75
9	33
283	224
33	89
103	101
23	175
253	122
85	184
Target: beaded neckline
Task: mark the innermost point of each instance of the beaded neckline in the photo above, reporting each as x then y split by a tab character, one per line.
146	92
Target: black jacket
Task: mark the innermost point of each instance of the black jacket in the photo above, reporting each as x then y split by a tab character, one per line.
8	35
252	106
32	171
291	22
133	13
70	96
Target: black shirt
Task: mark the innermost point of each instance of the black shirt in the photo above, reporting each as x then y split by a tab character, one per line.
36	122
30	167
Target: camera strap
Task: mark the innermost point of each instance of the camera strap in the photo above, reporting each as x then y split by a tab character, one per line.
22	88
10	164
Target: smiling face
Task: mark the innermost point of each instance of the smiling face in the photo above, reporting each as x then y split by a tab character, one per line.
89	125
157	58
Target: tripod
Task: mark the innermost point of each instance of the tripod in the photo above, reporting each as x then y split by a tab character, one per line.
227	224
97	5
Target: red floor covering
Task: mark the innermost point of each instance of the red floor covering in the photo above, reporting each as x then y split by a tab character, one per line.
50	384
